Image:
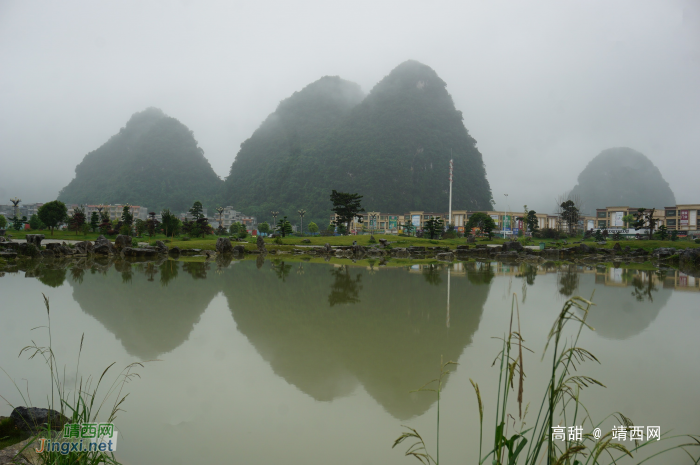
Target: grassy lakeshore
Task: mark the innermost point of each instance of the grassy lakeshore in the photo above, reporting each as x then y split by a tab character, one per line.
288	243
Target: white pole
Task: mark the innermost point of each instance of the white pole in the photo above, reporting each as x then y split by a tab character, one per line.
449	216
448	297
504	218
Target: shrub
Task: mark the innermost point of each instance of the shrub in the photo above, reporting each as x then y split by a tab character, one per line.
547	233
697	241
185	238
134	243
125	230
242	234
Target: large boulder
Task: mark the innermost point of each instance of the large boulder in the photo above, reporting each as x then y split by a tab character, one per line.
139	252
33	419
512	246
663	252
102	249
48	253
689	258
175	251
35	239
239	250
447	256
161	247
400	252
583	248
223	245
122	241
260	242
84	247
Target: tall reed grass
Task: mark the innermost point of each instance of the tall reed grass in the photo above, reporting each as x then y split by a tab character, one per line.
562	399
85	402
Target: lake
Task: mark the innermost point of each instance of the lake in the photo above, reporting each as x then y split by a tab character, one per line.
262	362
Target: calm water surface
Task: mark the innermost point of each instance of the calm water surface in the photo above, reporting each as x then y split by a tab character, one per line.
274	362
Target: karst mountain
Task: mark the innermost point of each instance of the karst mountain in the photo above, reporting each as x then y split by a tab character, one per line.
392	146
153	161
620	177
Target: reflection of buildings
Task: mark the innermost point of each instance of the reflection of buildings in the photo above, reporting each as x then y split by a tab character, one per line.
668	279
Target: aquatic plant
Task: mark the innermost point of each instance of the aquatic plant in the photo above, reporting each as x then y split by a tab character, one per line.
562	396
78	405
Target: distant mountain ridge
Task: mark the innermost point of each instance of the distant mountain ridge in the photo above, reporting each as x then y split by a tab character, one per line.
153	161
393	147
622	176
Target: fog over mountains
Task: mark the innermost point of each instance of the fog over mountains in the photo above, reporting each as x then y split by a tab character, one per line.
542	86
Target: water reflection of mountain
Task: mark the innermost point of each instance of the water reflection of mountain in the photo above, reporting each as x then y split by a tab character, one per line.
626	301
325	329
140	304
322	328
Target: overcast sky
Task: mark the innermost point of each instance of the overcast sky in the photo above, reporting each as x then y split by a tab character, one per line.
544	85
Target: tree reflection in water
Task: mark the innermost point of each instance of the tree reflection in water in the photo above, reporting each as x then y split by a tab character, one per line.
568	280
431	273
643	283
168	271
281	270
198	270
345	289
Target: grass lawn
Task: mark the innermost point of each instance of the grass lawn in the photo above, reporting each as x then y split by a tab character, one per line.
288	243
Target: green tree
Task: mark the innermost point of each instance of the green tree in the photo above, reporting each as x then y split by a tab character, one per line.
35	222
628	219
674	235
644	219
264	228
284	227
197	211
170	222
77	220
235	228
434	226
52	214
482	221
94	221
531	221
313	228
663	232
408	227
141	227
347	207
127	217
3	221
18	223
570	214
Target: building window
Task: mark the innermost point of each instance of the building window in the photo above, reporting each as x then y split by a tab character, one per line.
671	223
670	212
601	215
601	223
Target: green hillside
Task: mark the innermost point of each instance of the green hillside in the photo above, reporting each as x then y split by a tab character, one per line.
393	147
153	161
621	177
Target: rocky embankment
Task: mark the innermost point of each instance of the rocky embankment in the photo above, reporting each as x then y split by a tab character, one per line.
688	260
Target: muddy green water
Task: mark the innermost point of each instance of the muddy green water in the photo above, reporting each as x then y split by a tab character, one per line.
274	362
